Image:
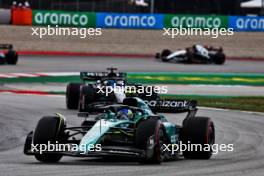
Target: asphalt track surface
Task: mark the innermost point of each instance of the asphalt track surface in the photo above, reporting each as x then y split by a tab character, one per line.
31	64
20	113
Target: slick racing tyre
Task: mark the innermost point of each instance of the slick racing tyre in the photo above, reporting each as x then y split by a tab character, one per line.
49	129
150	136
219	58
72	95
198	130
157	55
11	57
164	55
87	96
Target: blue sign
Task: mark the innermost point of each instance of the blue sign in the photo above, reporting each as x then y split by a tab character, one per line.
246	23
124	20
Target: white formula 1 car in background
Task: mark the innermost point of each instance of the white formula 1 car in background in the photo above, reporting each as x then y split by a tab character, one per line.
195	54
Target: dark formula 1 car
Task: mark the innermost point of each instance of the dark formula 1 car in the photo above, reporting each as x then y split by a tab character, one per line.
136	133
92	90
8	55
194	54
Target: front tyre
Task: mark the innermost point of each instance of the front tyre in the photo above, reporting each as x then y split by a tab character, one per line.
201	131
11	57
157	55
150	136
49	130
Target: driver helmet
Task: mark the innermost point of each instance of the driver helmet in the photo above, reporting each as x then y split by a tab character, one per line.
111	83
125	114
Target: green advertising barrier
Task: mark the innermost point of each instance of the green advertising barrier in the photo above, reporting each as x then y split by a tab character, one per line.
195	21
64	18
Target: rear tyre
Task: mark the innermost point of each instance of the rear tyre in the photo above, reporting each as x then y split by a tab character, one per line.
219	58
49	129
72	95
11	57
199	130
150	136
87	96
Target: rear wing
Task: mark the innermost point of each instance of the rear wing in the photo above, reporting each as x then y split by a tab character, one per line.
172	106
93	76
218	49
6	46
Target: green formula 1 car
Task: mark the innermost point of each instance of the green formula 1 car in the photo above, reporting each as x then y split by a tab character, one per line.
129	130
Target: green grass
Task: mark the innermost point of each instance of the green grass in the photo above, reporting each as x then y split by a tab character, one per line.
198	78
229	102
161	78
239	103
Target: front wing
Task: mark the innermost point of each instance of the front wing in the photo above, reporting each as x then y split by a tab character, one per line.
107	151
